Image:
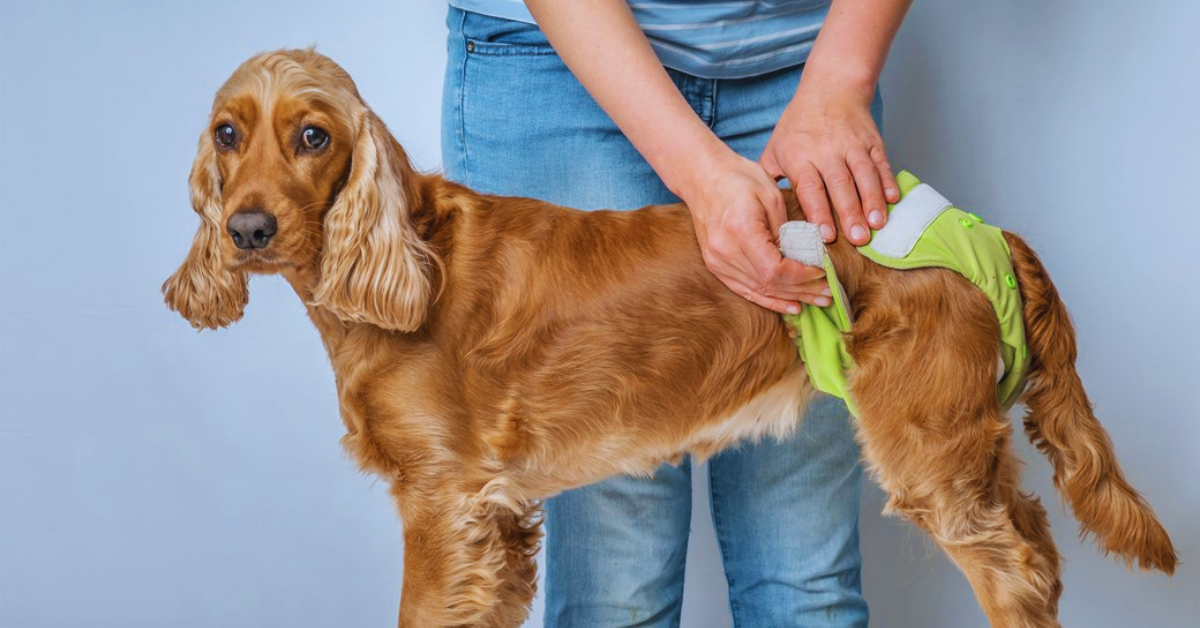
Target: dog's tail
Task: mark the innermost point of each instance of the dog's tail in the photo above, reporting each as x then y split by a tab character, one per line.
1060	422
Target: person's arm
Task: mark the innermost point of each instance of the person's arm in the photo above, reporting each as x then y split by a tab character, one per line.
735	204
826	141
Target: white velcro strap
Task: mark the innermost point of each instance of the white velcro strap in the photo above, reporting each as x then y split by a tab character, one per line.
908	220
802	242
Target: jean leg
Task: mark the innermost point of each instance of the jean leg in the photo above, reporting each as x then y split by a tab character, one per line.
786	516
616	552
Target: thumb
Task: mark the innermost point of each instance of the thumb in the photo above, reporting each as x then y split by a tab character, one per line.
776	212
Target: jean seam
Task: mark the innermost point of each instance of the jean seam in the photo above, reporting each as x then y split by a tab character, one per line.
734	610
712	109
494	49
461	97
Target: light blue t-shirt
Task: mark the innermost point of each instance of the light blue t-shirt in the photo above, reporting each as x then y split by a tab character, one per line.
710	38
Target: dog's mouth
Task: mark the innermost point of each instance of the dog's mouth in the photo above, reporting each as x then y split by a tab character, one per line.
257	260
272	259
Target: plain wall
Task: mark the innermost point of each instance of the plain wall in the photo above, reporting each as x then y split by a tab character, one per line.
153	476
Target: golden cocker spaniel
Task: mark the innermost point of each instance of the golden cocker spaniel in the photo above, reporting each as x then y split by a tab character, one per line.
491	352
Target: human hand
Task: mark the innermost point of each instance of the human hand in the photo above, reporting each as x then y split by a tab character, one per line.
737	210
828	147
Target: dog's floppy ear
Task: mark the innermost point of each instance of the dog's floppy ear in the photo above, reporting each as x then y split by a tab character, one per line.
203	291
375	268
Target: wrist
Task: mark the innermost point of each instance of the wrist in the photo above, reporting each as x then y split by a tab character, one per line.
688	165
843	82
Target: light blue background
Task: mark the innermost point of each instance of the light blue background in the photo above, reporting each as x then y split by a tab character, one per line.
152	476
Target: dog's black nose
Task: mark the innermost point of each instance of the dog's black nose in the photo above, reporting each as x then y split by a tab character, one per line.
251	229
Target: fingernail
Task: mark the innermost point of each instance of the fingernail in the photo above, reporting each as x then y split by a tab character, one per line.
827	233
823	301
792	309
857	232
877	218
893	192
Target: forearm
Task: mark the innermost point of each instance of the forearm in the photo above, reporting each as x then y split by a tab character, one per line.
852	47
607	51
735	205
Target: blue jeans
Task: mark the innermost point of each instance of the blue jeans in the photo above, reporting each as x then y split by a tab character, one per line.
515	121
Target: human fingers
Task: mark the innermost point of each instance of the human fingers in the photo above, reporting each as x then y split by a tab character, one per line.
891	189
777	304
810	190
870	187
840	184
770	164
758	272
776	212
777	276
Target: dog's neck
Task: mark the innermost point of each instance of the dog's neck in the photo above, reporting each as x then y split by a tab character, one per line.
332	329
433	201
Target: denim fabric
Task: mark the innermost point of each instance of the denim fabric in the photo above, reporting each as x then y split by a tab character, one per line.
517	122
713	39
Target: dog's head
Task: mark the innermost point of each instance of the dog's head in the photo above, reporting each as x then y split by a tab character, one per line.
295	172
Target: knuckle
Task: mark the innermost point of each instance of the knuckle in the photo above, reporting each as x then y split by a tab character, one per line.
859	159
718	242
712	260
817	212
750	295
838	179
810	185
846	200
850	216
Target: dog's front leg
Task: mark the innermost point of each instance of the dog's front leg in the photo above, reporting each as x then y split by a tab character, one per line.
521	536
468	562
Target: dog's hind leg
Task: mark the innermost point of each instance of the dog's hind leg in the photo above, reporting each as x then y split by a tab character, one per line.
935	437
959	487
1031	521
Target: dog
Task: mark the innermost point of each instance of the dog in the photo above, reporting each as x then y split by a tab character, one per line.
491	352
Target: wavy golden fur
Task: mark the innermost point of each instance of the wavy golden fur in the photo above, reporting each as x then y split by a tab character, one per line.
491	352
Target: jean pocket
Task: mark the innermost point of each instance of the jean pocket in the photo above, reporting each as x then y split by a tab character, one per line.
497	49
495	36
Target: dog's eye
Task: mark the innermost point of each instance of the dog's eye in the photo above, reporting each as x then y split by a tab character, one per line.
225	135
314	138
